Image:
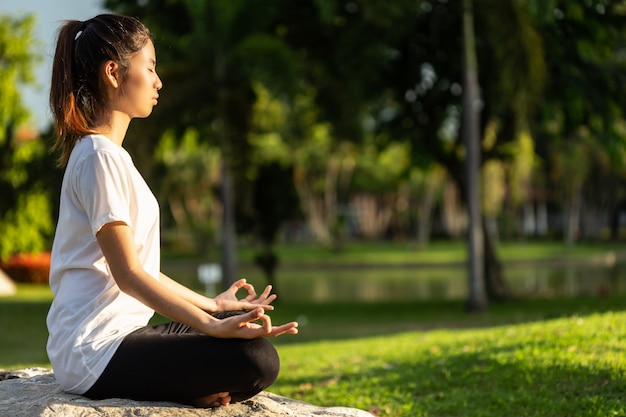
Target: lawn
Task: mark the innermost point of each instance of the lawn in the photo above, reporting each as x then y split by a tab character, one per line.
561	357
572	366
534	357
437	252
23	330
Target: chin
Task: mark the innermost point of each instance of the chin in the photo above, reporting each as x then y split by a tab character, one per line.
144	114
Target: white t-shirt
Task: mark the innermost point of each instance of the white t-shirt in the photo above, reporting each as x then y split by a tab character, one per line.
89	315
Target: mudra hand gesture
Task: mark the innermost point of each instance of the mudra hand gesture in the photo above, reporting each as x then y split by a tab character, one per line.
246	325
228	301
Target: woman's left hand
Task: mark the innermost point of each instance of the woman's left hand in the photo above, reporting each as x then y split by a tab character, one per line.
228	301
247	326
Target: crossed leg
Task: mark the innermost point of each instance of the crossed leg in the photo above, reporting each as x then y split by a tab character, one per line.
172	362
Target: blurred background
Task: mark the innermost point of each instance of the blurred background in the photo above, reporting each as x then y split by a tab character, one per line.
326	147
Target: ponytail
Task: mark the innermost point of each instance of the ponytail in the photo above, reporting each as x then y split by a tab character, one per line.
70	122
78	99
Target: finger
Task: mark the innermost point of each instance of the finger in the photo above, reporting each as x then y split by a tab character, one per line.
288	328
241	305
266	323
250	316
237	285
253	306
270	299
250	290
276	333
265	297
266	293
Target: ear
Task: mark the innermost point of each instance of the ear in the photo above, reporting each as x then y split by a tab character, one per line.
112	74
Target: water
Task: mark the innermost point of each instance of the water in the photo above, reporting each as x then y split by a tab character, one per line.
421	283
568	281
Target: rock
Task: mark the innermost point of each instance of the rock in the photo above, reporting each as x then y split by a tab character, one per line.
33	392
7	287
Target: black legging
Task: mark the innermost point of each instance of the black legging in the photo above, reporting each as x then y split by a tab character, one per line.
173	362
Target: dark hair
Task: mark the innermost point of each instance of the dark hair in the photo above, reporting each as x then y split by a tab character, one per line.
78	99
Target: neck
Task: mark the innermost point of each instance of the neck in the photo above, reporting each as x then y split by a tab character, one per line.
115	128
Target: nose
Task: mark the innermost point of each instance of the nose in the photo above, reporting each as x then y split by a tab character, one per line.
159	84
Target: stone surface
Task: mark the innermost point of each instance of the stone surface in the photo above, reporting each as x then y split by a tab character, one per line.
33	392
7	287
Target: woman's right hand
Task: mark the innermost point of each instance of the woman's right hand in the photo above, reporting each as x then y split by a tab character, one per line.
228	300
247	326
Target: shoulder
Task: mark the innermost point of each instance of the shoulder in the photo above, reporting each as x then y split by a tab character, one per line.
97	143
97	162
97	147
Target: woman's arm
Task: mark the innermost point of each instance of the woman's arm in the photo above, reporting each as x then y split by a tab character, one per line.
200	301
116	241
227	301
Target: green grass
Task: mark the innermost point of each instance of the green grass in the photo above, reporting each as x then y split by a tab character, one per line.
539	357
571	366
561	357
346	320
23	331
404	252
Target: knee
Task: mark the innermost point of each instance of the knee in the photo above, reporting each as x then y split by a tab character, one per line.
263	361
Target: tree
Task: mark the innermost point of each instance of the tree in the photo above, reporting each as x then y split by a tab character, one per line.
477	297
214	53
392	71
275	201
428	89
25	209
402	73
585	98
192	171
429	183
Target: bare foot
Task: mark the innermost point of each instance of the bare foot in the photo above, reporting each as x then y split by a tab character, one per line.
214	400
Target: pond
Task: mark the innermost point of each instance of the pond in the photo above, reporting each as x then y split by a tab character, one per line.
373	283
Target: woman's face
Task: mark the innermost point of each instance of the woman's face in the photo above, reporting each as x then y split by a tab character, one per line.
141	84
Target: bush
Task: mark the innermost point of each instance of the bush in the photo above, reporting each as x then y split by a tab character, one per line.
26	228
33	268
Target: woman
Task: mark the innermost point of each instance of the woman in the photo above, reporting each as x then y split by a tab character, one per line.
105	269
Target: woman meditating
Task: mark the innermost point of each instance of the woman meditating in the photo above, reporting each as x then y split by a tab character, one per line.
105	268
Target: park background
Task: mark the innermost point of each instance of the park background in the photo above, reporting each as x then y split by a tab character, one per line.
435	189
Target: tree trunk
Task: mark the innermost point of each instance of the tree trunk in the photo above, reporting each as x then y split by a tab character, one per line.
542	219
614	222
572	218
228	237
432	184
267	260
477	298
496	287
234	107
